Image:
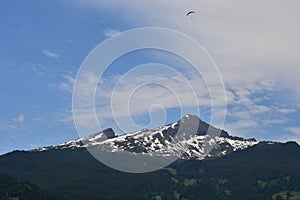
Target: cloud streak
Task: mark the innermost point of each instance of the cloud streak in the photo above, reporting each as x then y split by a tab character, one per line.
294	130
110	32
13	123
50	54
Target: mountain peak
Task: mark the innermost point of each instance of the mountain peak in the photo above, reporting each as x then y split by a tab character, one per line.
200	127
189	116
105	134
187	138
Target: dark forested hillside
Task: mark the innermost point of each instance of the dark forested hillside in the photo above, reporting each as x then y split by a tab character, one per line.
10	189
264	171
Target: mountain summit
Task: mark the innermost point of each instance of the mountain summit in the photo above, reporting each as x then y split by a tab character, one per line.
188	138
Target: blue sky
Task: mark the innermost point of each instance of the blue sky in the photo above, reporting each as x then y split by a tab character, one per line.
43	44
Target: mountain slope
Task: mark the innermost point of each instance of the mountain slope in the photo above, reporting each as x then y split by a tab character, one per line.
258	172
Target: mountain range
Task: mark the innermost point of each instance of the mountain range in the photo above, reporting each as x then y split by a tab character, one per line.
211	164
188	138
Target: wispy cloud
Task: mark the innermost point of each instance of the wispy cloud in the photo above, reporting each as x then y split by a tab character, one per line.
50	54
110	32
13	123
249	114
67	83
293	129
118	97
293	136
286	110
116	94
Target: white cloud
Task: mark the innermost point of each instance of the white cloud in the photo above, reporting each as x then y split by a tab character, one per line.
110	32
50	54
13	123
137	94
293	129
248	114
256	50
286	110
249	45
242	127
67	83
39	69
294	136
258	29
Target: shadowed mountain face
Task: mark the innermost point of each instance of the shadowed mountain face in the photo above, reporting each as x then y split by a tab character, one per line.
246	170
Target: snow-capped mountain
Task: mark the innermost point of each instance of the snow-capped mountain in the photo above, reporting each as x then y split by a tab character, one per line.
188	138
